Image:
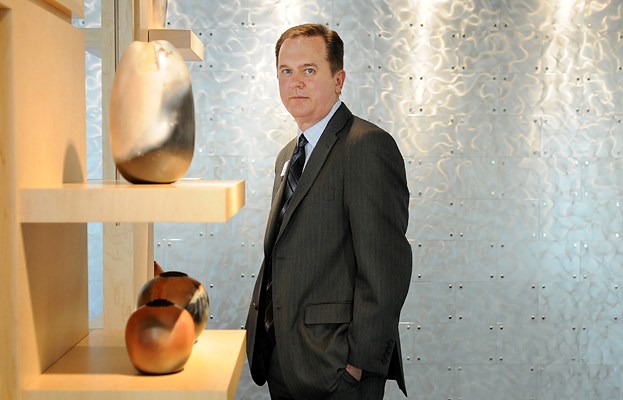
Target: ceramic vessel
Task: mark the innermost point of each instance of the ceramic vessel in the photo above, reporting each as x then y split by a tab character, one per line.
152	117
182	290
159	337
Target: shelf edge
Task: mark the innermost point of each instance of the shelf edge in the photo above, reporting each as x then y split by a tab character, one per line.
101	201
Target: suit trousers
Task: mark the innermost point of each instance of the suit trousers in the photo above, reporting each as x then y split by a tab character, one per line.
371	386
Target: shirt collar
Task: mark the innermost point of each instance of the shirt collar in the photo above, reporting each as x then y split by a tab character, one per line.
313	133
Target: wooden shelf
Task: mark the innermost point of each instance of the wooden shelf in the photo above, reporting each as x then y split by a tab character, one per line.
99	368
112	201
184	40
71	8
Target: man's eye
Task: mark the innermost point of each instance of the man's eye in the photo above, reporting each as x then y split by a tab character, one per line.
286	72
309	71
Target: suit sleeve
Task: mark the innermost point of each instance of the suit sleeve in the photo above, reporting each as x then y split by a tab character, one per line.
377	201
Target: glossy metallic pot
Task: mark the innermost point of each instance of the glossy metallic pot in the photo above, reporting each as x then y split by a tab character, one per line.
159	337
182	290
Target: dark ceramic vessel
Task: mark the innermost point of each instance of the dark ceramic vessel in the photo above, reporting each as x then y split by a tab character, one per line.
182	290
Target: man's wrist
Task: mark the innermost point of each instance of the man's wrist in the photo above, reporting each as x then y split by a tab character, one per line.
354	371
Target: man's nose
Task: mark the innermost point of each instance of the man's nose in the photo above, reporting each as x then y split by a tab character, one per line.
297	80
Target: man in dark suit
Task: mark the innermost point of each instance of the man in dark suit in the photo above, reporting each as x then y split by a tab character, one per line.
323	321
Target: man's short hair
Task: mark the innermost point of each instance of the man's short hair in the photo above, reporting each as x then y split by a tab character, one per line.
333	42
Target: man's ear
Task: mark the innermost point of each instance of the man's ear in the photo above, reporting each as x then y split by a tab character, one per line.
340	77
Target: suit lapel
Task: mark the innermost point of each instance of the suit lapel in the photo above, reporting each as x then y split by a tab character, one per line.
316	161
280	180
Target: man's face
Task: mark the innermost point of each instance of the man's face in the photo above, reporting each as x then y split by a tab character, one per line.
307	87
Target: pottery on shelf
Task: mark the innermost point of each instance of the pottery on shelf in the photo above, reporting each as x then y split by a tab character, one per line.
181	289
152	116
157	268
159	337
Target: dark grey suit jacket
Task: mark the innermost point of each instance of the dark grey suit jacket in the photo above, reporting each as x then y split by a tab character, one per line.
341	263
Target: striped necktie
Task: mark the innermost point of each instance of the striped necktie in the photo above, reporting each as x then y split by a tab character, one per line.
294	174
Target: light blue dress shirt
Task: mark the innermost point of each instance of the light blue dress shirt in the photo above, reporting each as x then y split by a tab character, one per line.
313	133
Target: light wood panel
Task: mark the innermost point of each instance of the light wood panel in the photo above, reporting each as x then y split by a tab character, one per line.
116	201
56	265
9	384
123	260
99	368
50	148
128	265
44	284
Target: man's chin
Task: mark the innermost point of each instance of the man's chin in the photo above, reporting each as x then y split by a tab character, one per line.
298	112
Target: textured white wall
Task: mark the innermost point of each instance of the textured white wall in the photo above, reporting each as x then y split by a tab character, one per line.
509	116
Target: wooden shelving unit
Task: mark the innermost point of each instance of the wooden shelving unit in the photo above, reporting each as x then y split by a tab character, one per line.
47	349
98	366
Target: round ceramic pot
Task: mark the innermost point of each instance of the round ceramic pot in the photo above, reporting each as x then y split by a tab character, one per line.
152	114
182	290
159	337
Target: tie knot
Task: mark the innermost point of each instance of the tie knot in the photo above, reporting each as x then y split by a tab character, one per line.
302	141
